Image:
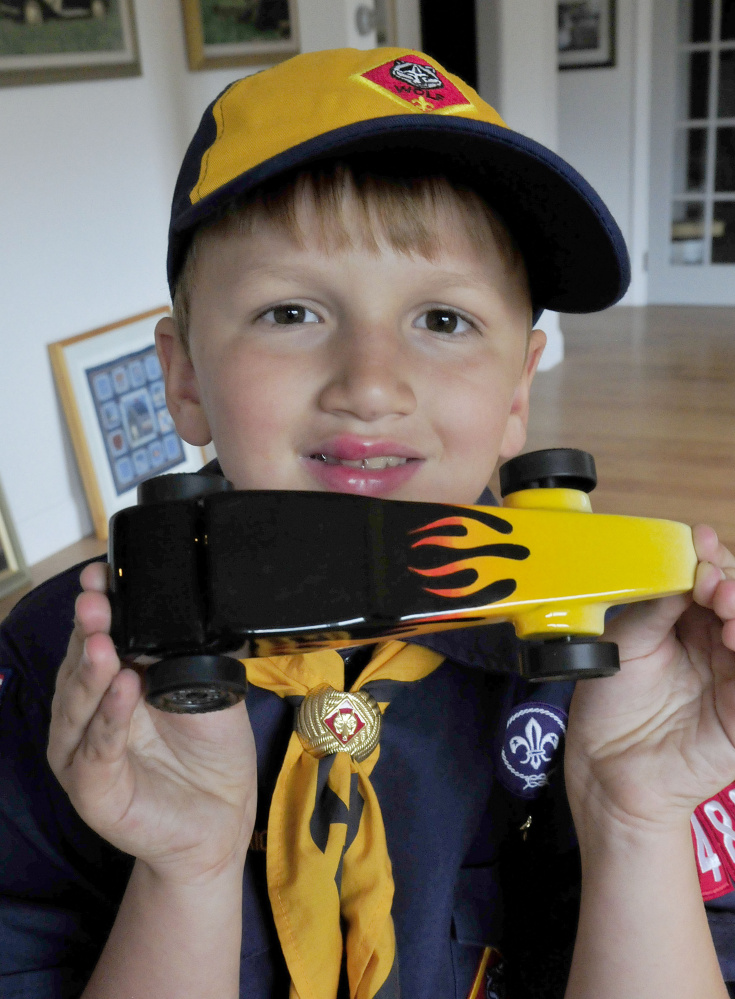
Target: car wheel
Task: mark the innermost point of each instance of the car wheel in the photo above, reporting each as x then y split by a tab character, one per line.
32	12
98	8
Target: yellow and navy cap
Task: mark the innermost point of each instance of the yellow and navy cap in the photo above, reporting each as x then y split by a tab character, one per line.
386	103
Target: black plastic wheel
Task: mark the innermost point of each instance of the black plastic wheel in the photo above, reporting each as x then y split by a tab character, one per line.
553	468
195	684
180	486
568	658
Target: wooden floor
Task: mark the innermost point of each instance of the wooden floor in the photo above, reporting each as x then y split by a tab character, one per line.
650	392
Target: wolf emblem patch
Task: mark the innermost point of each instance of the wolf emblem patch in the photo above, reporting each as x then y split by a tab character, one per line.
414	80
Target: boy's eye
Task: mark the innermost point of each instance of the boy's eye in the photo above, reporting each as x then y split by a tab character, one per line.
443	321
290	315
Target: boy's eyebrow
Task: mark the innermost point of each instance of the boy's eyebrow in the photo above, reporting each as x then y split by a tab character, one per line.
442	284
461	279
446	277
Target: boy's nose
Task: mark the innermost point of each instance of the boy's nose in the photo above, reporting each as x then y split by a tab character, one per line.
369	377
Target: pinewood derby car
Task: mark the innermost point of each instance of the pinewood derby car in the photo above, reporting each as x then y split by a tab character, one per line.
202	575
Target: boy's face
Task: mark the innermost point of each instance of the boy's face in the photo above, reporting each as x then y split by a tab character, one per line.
357	371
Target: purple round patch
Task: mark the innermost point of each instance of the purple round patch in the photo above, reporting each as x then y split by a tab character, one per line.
533	736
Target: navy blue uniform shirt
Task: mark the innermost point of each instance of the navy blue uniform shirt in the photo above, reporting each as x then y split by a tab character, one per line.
453	792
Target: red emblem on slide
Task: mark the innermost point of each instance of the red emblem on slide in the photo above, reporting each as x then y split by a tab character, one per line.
417	82
345	722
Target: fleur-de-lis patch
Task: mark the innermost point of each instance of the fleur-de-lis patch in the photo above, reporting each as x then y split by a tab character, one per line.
533	736
534	744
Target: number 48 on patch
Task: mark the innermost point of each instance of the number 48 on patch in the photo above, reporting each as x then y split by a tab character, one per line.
713	833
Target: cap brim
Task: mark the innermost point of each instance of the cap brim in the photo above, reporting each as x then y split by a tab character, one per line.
574	251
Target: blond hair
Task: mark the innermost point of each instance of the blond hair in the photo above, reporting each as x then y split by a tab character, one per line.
401	211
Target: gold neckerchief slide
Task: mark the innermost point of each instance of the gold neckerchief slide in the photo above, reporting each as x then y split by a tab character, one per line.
327	858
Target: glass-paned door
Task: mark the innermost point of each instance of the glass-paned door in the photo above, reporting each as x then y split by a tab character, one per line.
692	251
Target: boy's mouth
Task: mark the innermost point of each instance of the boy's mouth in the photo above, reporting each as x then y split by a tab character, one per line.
351	464
377	463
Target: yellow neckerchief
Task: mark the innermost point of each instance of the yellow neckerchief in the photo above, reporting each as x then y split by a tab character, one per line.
327	858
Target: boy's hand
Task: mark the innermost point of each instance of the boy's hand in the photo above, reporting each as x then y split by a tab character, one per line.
646	746
176	791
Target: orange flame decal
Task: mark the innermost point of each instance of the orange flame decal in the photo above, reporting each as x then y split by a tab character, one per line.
479	570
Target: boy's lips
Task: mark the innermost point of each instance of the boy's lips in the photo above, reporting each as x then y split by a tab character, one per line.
369	468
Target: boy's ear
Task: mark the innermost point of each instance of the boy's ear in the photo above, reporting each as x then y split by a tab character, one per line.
515	429
182	387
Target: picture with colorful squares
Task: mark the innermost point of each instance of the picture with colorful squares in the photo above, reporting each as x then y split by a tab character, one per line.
137	428
111	388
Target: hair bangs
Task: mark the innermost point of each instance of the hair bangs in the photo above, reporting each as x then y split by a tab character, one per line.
349	207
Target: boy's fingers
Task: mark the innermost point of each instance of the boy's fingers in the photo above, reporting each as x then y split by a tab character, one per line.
99	778
78	695
642	627
714	588
710	549
723	603
92	614
707	578
94	577
106	737
728	635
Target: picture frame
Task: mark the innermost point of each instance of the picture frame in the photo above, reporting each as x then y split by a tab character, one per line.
586	34
54	41
13	570
111	389
223	33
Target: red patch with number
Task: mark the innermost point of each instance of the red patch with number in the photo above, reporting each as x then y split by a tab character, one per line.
713	834
4	677
416	81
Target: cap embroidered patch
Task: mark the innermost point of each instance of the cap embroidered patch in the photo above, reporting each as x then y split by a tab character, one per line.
413	80
533	735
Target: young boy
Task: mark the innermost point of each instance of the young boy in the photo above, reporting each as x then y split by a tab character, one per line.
358	250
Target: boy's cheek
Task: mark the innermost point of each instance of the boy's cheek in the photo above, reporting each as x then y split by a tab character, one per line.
252	444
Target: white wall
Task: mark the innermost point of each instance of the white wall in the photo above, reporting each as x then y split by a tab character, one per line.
601	122
604	131
86	179
86	175
517	74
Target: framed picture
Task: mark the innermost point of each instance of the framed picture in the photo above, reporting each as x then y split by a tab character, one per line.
586	37
111	388
239	32
49	41
13	572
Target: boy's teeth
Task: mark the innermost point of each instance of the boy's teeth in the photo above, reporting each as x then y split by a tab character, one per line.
384	461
